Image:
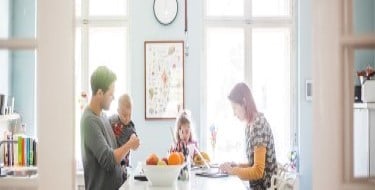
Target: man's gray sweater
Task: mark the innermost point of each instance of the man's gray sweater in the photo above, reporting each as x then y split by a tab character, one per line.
97	145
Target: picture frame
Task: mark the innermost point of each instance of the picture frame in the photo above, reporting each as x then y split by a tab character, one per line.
164	79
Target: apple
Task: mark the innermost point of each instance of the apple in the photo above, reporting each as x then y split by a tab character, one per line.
165	160
161	162
152	160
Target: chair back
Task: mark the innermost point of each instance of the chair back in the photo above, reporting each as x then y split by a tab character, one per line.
283	179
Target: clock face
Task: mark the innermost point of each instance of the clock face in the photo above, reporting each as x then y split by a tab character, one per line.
165	11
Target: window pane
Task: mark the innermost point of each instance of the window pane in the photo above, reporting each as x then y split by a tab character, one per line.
107	46
78	8
225	7
78	100
271	82
270	8
108	8
17	18
225	67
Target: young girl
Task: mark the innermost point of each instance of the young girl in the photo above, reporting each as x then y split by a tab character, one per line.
184	134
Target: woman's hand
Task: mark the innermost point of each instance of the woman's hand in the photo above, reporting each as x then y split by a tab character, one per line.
227	167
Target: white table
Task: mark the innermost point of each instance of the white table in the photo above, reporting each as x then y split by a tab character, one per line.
194	183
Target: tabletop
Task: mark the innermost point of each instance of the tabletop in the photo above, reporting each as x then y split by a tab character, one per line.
194	183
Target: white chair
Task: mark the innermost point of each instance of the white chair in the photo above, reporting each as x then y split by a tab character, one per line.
283	179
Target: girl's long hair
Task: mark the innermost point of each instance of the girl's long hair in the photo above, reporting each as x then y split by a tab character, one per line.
241	94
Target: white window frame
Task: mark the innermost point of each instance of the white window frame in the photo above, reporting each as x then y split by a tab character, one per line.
85	22
247	23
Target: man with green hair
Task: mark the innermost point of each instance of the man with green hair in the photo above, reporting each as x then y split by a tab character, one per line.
101	156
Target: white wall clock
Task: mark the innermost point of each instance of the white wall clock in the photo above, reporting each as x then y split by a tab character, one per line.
165	11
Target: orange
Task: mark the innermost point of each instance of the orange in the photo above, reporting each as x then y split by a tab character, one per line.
205	156
174	159
198	160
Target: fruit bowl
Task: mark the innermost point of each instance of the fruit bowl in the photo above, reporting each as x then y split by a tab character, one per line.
162	175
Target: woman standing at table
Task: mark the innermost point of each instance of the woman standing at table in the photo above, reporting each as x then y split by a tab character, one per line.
260	149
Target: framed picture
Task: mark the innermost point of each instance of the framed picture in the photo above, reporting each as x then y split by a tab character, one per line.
164	79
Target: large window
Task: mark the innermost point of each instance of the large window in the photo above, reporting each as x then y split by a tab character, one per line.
101	39
251	41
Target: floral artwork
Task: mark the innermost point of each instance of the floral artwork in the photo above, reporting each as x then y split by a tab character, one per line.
164	79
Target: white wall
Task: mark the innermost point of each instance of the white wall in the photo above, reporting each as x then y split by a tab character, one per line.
55	103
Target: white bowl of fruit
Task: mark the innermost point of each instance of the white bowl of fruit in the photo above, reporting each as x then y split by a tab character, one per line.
163	172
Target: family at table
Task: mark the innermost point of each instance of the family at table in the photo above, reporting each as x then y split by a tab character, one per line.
106	142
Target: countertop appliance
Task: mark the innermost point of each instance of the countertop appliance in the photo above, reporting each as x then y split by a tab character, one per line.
368	91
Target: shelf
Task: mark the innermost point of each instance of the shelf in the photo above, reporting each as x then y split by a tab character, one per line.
21	179
13	116
364	106
21	171
10	182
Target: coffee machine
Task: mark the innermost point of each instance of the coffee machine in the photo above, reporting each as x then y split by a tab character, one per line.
357	94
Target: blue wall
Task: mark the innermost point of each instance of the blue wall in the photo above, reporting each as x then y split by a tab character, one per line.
155	135
4	55
364	22
305	107
23	63
364	15
4	72
23	87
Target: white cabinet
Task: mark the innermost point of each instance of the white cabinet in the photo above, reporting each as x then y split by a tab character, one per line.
364	139
372	143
